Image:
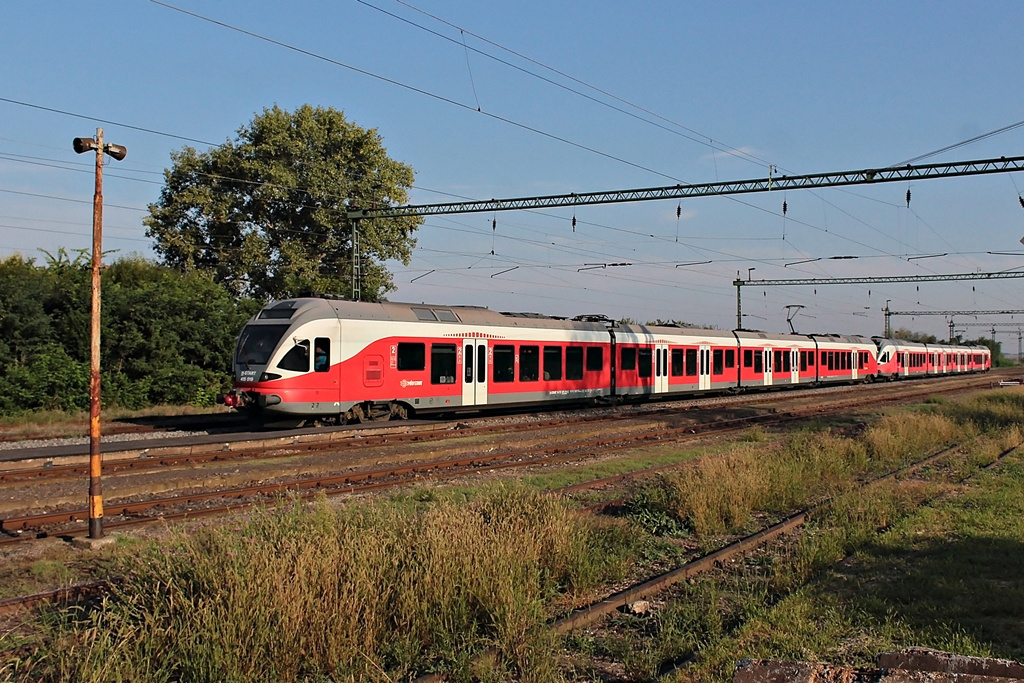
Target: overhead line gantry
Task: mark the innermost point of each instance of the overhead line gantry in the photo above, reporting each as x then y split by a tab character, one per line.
683	190
686	190
948	314
1001	275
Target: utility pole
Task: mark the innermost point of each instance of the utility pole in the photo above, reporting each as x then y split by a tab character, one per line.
356	293
118	152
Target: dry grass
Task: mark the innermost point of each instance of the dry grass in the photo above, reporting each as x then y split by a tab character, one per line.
370	592
721	494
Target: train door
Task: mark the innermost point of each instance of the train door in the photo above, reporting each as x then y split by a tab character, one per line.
704	379
474	372
768	353
794	364
854	364
325	375
660	368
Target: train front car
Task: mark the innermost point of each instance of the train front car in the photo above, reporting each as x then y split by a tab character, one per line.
285	363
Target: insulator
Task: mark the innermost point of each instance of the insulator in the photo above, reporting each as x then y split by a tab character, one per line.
784	206
574	223
679	209
494	224
1021	200
908	198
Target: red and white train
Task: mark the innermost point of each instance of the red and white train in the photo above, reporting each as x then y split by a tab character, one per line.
344	361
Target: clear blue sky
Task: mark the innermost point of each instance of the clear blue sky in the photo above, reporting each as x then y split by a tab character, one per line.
698	92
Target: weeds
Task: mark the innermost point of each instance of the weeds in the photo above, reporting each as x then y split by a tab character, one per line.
368	592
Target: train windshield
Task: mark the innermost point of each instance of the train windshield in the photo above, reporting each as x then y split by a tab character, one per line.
258	342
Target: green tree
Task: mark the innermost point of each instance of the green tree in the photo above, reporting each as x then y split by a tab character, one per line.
907	335
168	336
24	323
266	213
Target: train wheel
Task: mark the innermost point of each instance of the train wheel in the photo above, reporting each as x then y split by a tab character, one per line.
372	412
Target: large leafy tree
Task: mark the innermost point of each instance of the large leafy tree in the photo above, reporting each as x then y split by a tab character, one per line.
266	213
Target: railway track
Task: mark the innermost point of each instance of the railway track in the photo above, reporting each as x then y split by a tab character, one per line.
591	614
68	460
67	521
651	587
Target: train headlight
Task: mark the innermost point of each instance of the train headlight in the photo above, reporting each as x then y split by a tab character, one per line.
267	376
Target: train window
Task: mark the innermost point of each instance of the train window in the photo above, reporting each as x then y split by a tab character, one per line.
552	363
297	358
574	362
481	364
595	359
628	359
758	362
644	362
787	361
281	311
322	355
504	361
446	316
677	362
778	360
257	342
748	358
529	363
424	314
730	358
717	362
691	362
803	361
412	356
468	363
810	358
442	363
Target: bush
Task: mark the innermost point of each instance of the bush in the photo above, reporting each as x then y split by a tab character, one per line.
167	336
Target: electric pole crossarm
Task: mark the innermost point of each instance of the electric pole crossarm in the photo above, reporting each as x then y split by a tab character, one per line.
866	176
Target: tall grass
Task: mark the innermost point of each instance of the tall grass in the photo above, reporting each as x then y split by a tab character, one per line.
368	592
989	411
722	494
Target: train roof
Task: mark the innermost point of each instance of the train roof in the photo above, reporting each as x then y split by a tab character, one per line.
422	312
